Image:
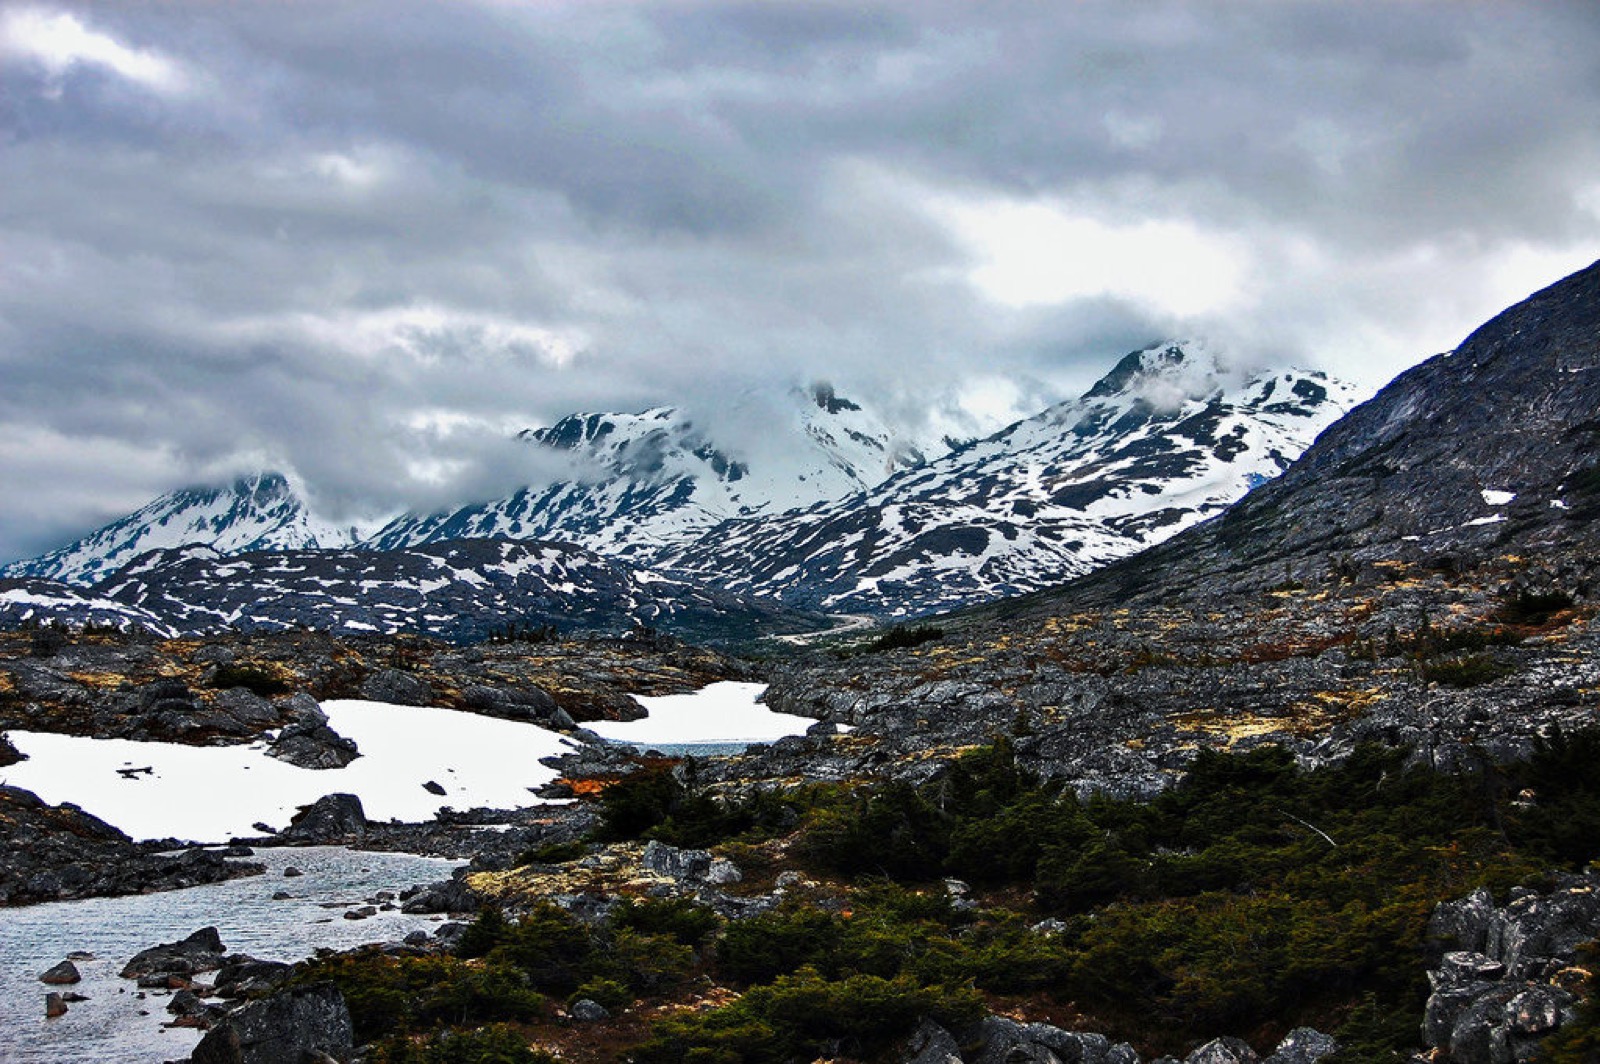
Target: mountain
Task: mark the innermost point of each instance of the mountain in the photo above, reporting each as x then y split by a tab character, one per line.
31	600
639	482
1165	440
253	513
657	479
1487	454
459	589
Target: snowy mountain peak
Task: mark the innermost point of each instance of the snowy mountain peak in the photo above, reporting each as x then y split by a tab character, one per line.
1165	440
1163	375
260	512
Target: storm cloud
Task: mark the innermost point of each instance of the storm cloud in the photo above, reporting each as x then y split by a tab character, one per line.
366	242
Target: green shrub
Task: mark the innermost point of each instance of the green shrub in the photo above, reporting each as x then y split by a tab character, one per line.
389	995
494	1044
678	918
805	1015
607	992
901	637
767	946
1466	670
553	853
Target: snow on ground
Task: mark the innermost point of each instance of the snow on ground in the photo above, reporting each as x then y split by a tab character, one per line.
721	713
1497	498
212	793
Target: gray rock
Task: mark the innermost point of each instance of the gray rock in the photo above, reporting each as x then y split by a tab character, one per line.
307	741
1480	1034
1223	1051
1005	1041
931	1044
1539	1010
674	863
331	818
1461	966
282	1029
247	707
397	687
1303	1045
588	1011
722	872
247	976
200	952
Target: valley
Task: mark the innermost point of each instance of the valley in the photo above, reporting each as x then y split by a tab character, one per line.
1311	778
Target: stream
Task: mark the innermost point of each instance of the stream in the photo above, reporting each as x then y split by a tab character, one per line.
116	1024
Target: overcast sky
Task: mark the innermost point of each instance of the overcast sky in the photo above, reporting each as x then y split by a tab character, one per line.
364	241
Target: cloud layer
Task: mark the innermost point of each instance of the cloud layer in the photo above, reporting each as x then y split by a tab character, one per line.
365	241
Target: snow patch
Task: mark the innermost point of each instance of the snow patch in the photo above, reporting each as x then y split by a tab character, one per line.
726	712
212	793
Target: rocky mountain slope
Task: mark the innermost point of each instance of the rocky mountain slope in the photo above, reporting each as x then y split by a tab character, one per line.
262	512
1165	440
459	589
32	601
1488	452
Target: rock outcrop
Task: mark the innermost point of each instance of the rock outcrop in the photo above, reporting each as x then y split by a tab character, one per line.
1505	977
331	818
56	853
288	1028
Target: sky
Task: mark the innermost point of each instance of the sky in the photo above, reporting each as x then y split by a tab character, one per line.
363	243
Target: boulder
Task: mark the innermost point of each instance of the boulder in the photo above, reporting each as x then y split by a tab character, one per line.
200	952
63	974
1223	1051
331	818
931	1044
673	863
245	976
54	1006
526	703
286	1028
1303	1045
308	742
586	1010
1005	1041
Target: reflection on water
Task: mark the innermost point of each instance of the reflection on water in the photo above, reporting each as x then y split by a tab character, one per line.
108	1027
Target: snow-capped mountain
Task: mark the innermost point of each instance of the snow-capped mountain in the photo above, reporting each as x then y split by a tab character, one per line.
1165	440
655	479
461	589
253	513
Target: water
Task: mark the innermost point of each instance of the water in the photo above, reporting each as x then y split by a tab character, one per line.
108	1026
690	749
